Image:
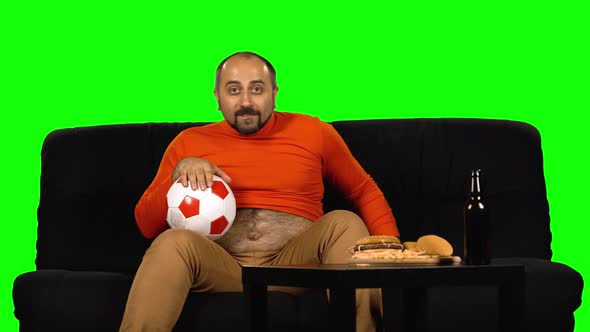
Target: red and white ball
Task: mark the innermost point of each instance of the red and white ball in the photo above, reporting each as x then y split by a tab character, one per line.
209	212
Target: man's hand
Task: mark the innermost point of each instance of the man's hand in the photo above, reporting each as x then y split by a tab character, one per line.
199	172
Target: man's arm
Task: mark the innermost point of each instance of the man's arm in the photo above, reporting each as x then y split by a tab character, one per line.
346	174
152	208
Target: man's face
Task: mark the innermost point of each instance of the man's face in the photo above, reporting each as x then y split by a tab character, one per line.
245	93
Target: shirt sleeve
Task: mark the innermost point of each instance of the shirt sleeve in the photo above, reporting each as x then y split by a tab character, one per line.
347	175
152	208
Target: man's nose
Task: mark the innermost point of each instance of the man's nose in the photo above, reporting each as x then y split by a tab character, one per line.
246	99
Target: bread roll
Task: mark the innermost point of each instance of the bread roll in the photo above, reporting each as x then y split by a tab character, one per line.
435	245
410	245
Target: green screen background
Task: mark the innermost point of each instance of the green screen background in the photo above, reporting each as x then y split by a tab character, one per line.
68	64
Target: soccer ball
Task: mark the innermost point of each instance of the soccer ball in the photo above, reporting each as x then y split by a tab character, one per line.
209	212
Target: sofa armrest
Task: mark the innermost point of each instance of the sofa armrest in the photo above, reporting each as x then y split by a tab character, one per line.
59	300
553	293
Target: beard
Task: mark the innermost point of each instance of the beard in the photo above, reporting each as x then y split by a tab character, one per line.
248	126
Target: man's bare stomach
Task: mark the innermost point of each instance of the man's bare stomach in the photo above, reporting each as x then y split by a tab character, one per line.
262	230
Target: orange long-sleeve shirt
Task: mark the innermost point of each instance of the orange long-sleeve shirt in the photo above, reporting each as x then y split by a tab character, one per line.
280	167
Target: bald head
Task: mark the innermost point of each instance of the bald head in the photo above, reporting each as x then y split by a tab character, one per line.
269	67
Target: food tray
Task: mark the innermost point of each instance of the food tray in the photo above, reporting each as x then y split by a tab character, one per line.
433	260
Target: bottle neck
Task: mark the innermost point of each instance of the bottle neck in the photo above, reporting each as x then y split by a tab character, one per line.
475	192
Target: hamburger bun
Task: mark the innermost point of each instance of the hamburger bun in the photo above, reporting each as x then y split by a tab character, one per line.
411	245
435	245
378	242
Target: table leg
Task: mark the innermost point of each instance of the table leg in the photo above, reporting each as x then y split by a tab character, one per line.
511	304
343	309
415	311
256	307
392	309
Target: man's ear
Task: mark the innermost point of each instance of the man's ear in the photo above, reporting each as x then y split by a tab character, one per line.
216	94
274	93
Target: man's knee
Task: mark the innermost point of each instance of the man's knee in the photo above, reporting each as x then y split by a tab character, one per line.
349	221
178	238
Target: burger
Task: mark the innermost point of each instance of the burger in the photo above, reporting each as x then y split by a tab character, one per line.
378	242
377	246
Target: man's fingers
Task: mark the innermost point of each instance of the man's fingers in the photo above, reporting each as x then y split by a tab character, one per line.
193	178
183	179
201	181
208	177
222	175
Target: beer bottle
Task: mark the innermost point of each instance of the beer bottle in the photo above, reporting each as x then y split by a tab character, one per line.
477	224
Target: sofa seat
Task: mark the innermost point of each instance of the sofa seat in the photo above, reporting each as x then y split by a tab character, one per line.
60	300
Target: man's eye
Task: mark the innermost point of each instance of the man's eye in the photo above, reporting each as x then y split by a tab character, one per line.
233	91
257	89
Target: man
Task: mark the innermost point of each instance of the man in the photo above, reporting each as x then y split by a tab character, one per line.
275	163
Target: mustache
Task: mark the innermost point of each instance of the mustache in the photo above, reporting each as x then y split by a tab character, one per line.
247	111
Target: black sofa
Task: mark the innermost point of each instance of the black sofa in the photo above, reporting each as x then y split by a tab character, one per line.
88	245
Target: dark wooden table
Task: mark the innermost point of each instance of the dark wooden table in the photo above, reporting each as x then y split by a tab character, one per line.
343	279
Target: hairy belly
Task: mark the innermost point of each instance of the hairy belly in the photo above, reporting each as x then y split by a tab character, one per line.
262	230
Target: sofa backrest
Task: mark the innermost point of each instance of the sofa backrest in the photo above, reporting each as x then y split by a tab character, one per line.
92	177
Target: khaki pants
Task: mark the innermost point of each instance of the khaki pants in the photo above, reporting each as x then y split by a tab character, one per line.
181	261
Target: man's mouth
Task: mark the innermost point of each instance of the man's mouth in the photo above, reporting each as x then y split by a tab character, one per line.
247	120
247	113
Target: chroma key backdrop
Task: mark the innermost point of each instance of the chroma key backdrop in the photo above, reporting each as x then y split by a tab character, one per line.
79	63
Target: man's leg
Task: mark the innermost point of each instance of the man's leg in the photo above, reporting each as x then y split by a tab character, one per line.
177	262
329	241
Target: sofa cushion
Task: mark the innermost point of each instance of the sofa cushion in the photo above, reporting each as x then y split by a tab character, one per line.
91	179
423	167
